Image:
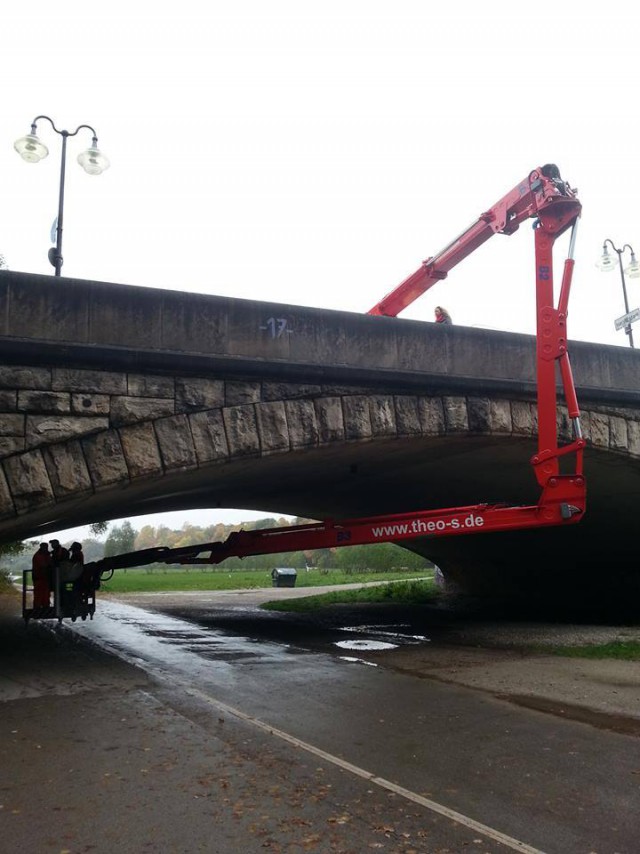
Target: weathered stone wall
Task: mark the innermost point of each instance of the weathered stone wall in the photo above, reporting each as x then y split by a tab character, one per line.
67	432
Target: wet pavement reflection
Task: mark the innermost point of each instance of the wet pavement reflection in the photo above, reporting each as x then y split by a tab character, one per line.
168	643
247	637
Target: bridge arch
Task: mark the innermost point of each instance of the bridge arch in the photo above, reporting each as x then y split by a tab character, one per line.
193	458
319	451
117	400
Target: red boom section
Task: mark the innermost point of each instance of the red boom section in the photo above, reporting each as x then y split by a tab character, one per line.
562	504
552	343
540	192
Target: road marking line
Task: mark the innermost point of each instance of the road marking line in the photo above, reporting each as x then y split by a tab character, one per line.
434	806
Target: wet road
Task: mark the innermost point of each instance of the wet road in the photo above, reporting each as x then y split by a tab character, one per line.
503	778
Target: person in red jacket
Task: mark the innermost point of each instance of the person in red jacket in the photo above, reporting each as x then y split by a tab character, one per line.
442	315
41	569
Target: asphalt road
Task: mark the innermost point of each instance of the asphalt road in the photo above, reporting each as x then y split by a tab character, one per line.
148	731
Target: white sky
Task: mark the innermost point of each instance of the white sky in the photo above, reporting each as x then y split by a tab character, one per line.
315	154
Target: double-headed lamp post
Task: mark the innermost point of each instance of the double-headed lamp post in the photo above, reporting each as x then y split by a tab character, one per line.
607	264
31	149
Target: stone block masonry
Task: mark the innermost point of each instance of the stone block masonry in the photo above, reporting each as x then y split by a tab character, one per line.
66	432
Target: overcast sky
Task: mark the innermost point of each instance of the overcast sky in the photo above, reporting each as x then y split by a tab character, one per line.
316	153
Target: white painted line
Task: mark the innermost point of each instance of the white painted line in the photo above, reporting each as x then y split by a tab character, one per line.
459	818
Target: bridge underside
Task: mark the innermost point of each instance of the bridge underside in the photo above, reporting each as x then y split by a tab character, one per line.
587	568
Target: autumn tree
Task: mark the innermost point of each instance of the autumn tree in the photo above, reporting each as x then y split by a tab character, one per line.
146	538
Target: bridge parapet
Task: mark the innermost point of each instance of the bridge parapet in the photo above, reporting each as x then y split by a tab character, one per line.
99	325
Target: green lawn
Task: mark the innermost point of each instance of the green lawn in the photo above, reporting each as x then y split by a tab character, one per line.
400	593
623	650
163	579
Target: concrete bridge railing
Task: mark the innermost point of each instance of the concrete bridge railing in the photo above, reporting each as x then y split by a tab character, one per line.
67	322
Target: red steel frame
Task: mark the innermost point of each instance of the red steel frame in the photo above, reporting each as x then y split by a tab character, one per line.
555	208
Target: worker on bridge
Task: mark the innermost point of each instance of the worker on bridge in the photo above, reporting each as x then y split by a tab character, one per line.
442	315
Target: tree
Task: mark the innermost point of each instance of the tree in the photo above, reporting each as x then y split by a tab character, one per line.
98	528
12	548
146	538
92	549
8	554
261	524
121	539
378	557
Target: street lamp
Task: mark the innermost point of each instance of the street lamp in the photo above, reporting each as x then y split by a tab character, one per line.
607	264
31	149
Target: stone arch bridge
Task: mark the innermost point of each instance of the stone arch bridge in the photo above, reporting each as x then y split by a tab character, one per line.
118	401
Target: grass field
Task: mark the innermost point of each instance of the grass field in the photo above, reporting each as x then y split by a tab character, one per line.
401	592
163	579
622	650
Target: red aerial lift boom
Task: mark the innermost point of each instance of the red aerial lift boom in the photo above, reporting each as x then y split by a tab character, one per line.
554	207
543	195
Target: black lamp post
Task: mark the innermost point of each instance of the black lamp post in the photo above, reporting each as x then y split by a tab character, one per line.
607	264
92	161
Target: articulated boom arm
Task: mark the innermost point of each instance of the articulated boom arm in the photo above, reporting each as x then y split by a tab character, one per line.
563	495
554	206
543	192
474	519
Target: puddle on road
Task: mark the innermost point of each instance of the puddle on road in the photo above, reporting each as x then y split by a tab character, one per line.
381	638
392	632
366	645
